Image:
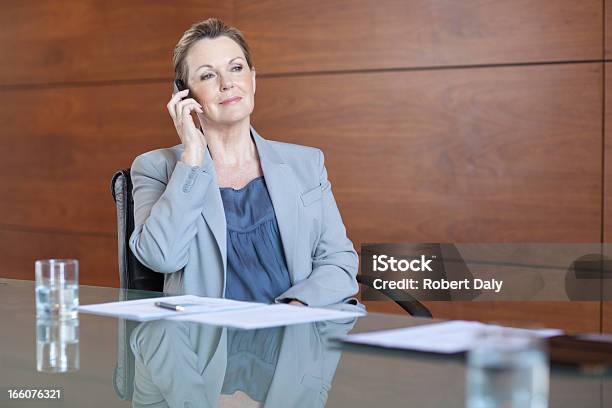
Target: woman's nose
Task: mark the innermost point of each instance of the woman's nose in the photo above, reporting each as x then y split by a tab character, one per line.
226	83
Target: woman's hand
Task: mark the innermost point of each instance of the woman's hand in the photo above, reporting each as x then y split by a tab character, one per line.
192	138
296	303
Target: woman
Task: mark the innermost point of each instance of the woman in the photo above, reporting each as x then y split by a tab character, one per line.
227	213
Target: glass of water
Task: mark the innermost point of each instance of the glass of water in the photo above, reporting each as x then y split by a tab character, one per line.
508	368
57	345
57	288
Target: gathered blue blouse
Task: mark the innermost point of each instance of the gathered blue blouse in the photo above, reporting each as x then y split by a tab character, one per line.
256	266
256	271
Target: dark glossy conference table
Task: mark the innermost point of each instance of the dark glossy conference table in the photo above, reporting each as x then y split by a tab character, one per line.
350	376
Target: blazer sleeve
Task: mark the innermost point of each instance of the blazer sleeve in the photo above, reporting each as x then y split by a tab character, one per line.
335	262
165	214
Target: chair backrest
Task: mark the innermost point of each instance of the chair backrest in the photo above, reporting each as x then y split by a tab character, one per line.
132	274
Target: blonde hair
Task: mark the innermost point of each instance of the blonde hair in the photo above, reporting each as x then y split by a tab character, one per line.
210	28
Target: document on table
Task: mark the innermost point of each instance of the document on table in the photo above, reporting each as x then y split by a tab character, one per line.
145	309
446	337
269	316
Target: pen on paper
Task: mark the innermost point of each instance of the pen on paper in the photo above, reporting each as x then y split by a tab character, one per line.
176	308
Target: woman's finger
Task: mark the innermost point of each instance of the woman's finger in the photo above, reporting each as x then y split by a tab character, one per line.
187	101
186	109
176	98
179	95
179	106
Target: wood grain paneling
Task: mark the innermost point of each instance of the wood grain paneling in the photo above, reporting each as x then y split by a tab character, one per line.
437	155
608	29
60	147
471	155
607	210
455	155
607	317
569	316
97	254
89	40
297	36
607	217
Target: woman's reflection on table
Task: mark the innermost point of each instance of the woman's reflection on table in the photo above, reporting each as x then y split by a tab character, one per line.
182	364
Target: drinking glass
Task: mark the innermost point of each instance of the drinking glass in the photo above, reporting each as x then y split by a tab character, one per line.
508	368
57	288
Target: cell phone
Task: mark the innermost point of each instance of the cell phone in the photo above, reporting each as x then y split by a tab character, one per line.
178	86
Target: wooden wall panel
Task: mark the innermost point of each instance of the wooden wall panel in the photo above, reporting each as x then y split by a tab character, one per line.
608	29
606	320
569	316
572	316
89	40
298	36
470	155
97	254
607	224
607	210
491	154
60	147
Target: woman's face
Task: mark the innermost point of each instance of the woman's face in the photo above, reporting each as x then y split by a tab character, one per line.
218	71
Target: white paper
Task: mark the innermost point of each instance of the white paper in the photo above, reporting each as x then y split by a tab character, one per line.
269	316
145	309
446	337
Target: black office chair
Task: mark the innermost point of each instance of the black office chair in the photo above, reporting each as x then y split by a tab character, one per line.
413	306
134	275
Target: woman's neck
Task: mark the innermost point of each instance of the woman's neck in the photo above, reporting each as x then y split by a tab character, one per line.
231	146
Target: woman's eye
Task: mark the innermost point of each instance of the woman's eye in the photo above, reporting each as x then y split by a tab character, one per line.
203	77
239	68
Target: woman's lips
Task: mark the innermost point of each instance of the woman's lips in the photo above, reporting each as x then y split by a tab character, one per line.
231	100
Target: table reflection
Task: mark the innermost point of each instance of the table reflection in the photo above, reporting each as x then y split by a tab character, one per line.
183	364
57	345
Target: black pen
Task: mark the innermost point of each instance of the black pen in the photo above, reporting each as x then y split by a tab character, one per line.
164	305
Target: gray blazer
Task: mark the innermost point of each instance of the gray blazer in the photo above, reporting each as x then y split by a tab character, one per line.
180	227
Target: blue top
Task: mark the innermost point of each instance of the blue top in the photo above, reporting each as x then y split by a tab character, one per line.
256	271
252	356
256	266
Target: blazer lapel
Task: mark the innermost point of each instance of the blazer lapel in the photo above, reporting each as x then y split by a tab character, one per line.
214	213
282	187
